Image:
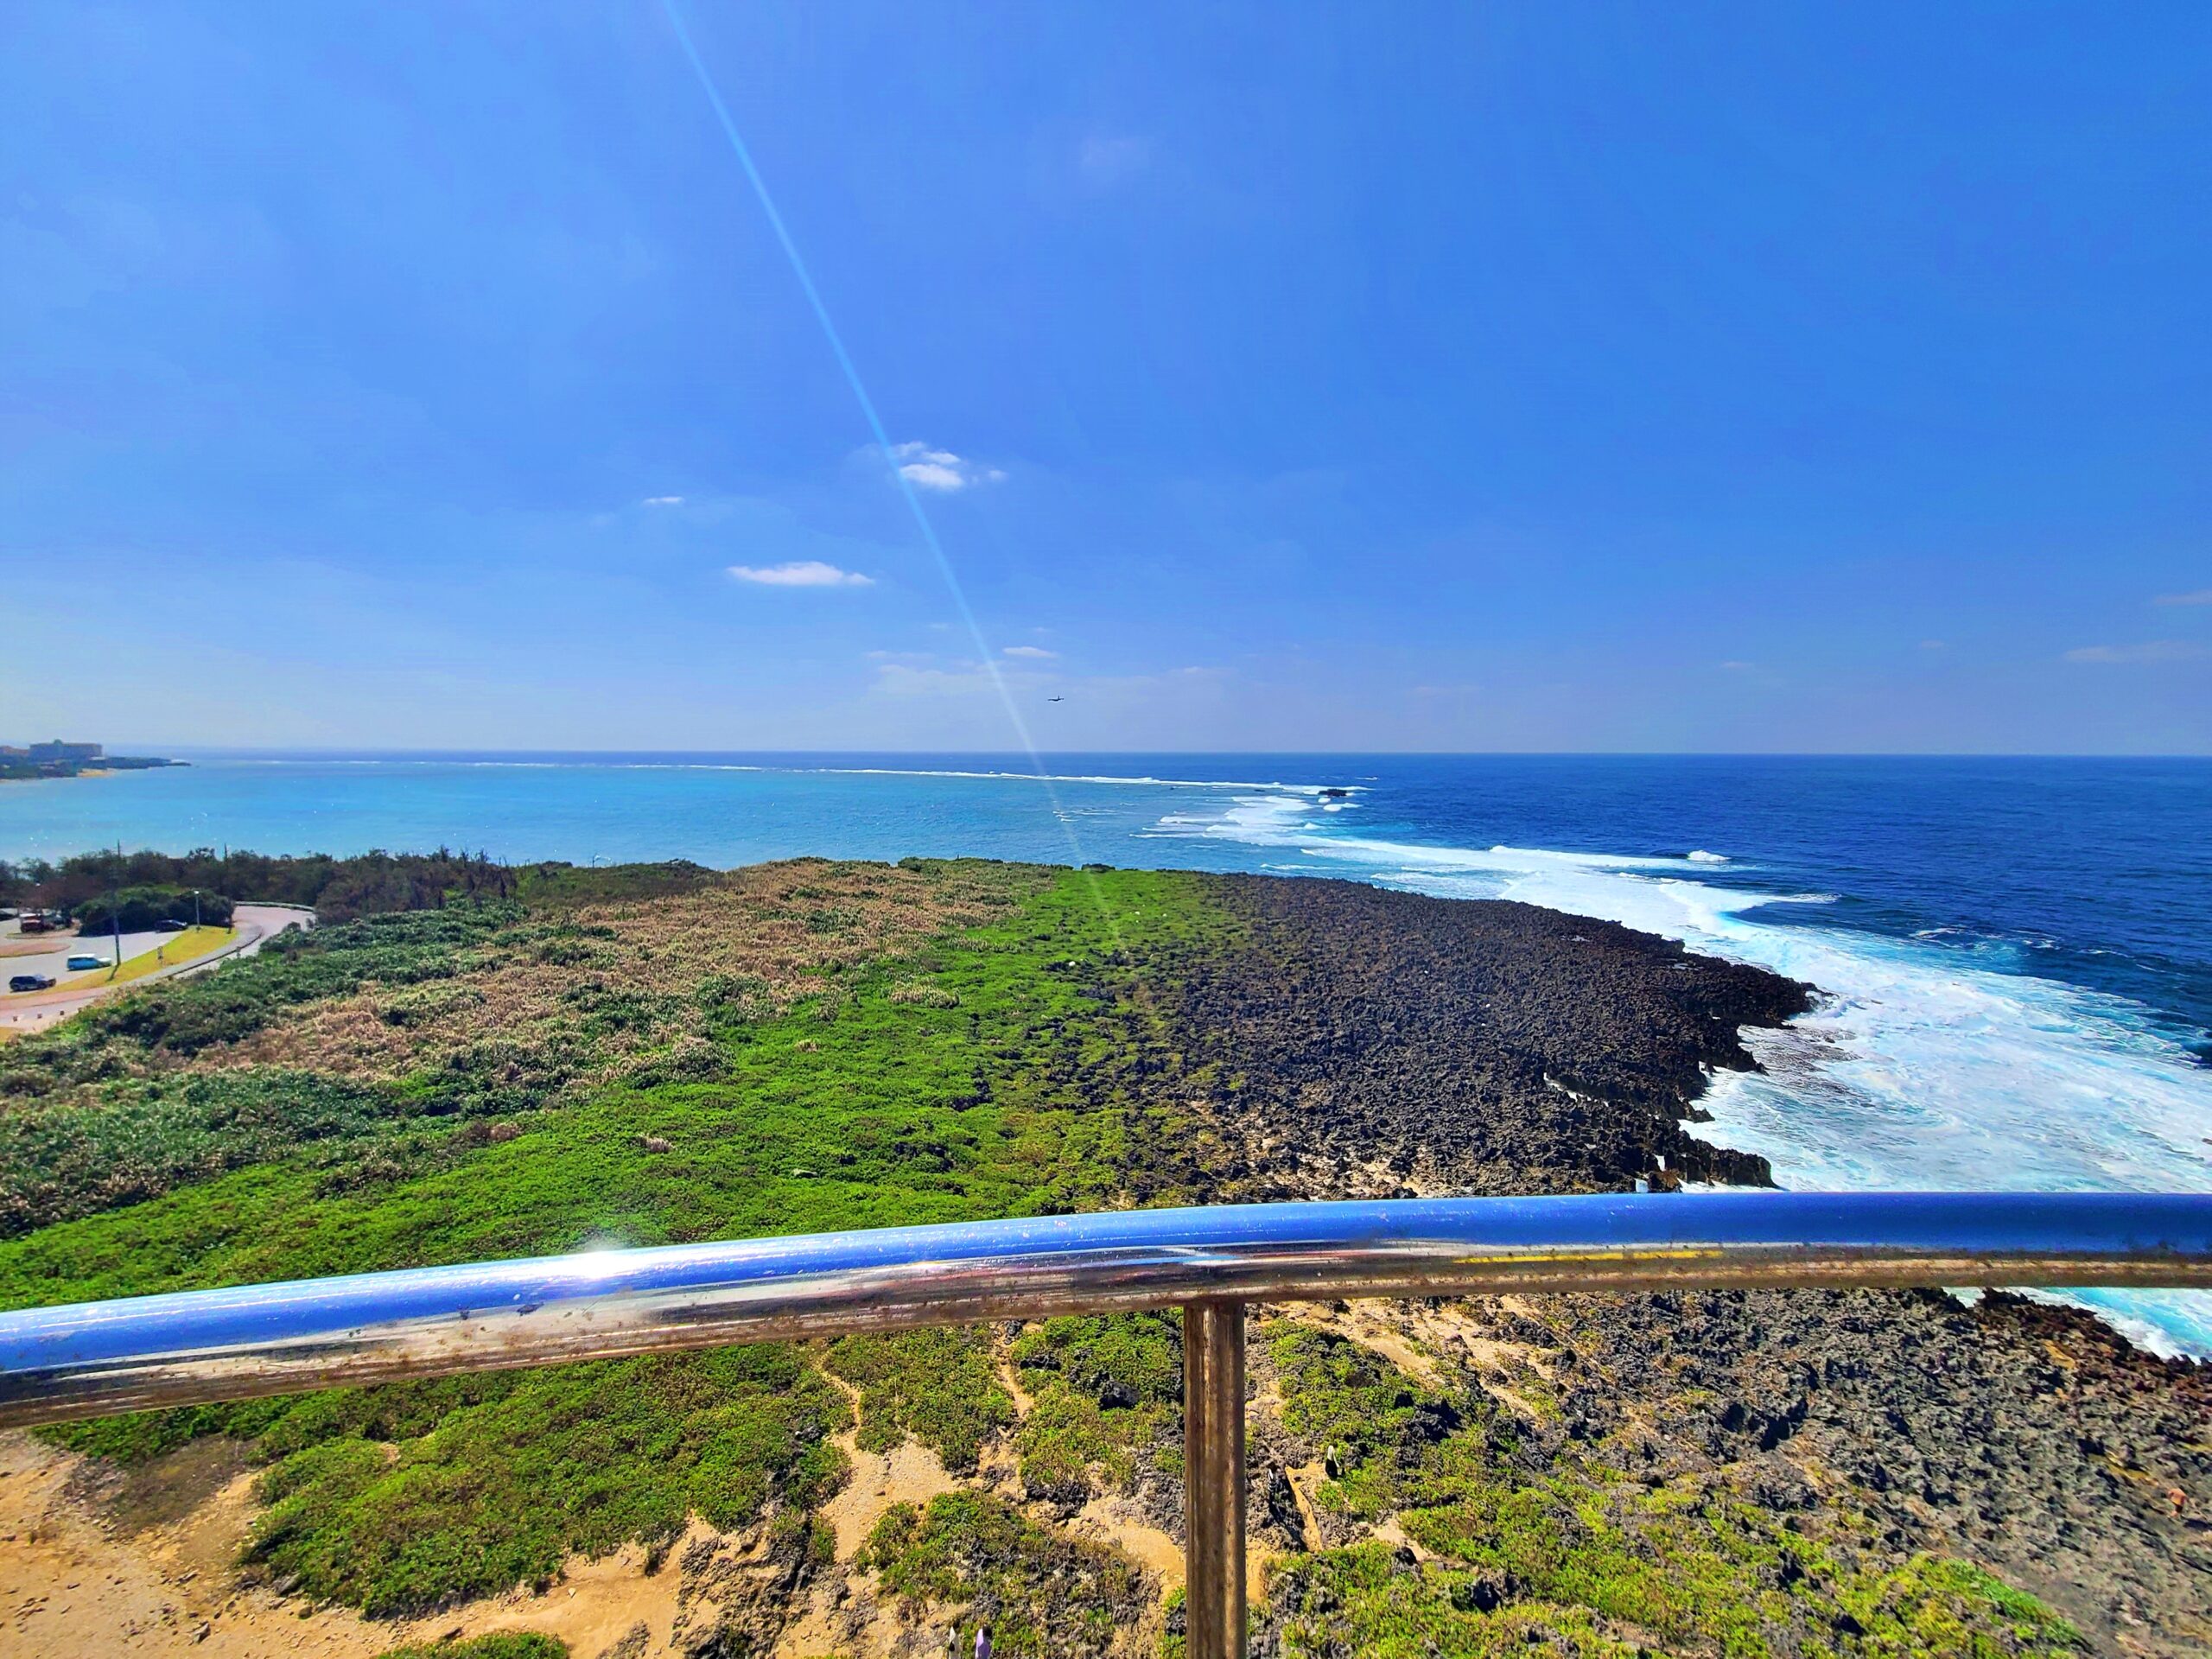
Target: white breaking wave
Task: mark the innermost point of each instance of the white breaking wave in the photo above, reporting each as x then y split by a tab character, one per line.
1302	789
1919	1070
1305	791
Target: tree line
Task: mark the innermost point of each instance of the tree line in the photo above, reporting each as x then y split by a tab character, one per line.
337	889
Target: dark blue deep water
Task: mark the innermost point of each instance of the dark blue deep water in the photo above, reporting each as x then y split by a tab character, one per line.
2016	954
2098	872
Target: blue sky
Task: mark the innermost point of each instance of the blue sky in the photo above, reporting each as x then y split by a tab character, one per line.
1475	377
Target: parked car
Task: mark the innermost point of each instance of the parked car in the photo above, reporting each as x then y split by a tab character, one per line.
33	923
31	983
81	965
170	927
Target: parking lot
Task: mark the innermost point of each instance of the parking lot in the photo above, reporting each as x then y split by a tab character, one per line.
24	1012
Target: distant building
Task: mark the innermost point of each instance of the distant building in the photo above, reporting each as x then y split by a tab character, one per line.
75	753
9	752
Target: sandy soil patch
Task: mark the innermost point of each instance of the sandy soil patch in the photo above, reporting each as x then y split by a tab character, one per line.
909	1473
92	1565
1118	1522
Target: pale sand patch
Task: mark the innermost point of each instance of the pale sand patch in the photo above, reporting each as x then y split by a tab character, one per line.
1364	1325
75	1584
1116	1521
1485	1354
1499	1366
1514	1400
909	1473
1411	1335
1304	1480
998	1469
813	1631
1010	1380
593	1606
1259	1561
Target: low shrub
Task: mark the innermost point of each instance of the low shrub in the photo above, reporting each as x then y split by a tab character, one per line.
138	910
499	1644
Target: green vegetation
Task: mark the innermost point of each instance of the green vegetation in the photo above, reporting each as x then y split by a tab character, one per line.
1040	1591
658	1054
15	769
177	1019
1574	1556
554	885
518	1472
499	1645
840	1107
106	1114
1370	1599
76	1160
339	889
1108	1395
937	1386
142	908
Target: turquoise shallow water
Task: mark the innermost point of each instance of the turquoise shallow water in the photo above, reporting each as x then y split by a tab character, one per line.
2017	954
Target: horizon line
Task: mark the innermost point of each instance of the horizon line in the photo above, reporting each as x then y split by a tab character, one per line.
401	751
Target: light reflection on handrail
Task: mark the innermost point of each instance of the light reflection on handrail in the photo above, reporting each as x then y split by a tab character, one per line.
195	1347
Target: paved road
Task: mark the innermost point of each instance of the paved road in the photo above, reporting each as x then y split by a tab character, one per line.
23	1012
51	954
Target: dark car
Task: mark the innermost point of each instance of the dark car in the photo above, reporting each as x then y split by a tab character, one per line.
30	982
170	927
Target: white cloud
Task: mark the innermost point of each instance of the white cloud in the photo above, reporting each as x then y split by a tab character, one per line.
913	679
1106	158
1737	665
962	677
2202	596
1030	651
801	573
931	468
933	475
2151	650
663	501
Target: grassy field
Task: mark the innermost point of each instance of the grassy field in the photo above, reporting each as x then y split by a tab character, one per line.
496	1082
619	1057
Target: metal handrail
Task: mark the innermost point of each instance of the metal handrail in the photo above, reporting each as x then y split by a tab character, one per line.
197	1347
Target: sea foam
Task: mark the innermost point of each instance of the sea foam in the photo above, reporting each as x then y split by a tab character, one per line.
1921	1068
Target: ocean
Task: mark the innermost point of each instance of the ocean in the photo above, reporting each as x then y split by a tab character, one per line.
2016	954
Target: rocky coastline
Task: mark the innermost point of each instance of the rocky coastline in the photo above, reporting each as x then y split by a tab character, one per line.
679	1053
1396	1044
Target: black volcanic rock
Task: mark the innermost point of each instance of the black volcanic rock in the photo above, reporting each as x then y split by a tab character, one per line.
1386	1043
1469	1046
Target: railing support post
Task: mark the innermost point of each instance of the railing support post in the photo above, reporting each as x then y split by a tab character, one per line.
1213	1482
